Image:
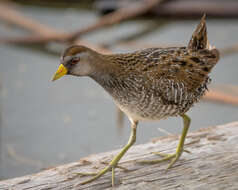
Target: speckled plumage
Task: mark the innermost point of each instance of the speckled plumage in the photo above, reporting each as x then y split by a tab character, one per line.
150	84
155	83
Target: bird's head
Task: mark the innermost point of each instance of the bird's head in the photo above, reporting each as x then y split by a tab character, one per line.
76	60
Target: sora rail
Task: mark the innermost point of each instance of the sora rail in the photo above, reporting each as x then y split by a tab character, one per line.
149	84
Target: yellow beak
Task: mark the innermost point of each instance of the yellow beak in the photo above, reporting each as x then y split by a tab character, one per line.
62	70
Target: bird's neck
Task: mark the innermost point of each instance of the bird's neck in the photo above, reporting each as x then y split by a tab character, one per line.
107	80
105	74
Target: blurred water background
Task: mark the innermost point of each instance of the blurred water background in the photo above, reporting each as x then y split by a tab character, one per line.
45	124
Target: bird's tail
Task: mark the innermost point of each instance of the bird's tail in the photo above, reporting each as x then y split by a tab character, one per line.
199	37
199	42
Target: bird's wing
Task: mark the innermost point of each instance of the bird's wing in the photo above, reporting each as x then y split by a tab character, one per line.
180	65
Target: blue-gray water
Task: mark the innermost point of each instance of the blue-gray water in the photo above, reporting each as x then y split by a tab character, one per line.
44	124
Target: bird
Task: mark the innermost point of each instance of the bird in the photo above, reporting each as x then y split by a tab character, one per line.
148	84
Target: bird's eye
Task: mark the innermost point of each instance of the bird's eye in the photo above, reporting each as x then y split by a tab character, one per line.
74	60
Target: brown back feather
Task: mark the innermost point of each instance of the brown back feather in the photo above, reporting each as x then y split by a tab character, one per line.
199	37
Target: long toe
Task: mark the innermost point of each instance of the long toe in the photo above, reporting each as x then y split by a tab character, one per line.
166	157
95	175
82	174
173	157
162	154
117	166
110	167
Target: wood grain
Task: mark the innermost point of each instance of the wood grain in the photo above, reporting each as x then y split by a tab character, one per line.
212	164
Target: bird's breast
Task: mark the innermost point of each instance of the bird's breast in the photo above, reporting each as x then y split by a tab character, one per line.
145	100
140	102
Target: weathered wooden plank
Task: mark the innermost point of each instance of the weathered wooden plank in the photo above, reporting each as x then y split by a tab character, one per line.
212	164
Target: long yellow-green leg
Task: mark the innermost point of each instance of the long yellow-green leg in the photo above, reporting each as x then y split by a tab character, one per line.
173	157
113	164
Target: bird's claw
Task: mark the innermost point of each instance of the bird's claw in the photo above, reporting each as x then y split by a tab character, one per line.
96	175
173	157
117	166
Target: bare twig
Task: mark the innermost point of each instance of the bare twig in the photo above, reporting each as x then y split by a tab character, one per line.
221	97
21	159
196	8
120	15
9	14
181	8
46	34
229	50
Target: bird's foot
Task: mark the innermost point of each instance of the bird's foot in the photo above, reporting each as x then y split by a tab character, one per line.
173	157
97	175
110	167
106	169
114	163
117	166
